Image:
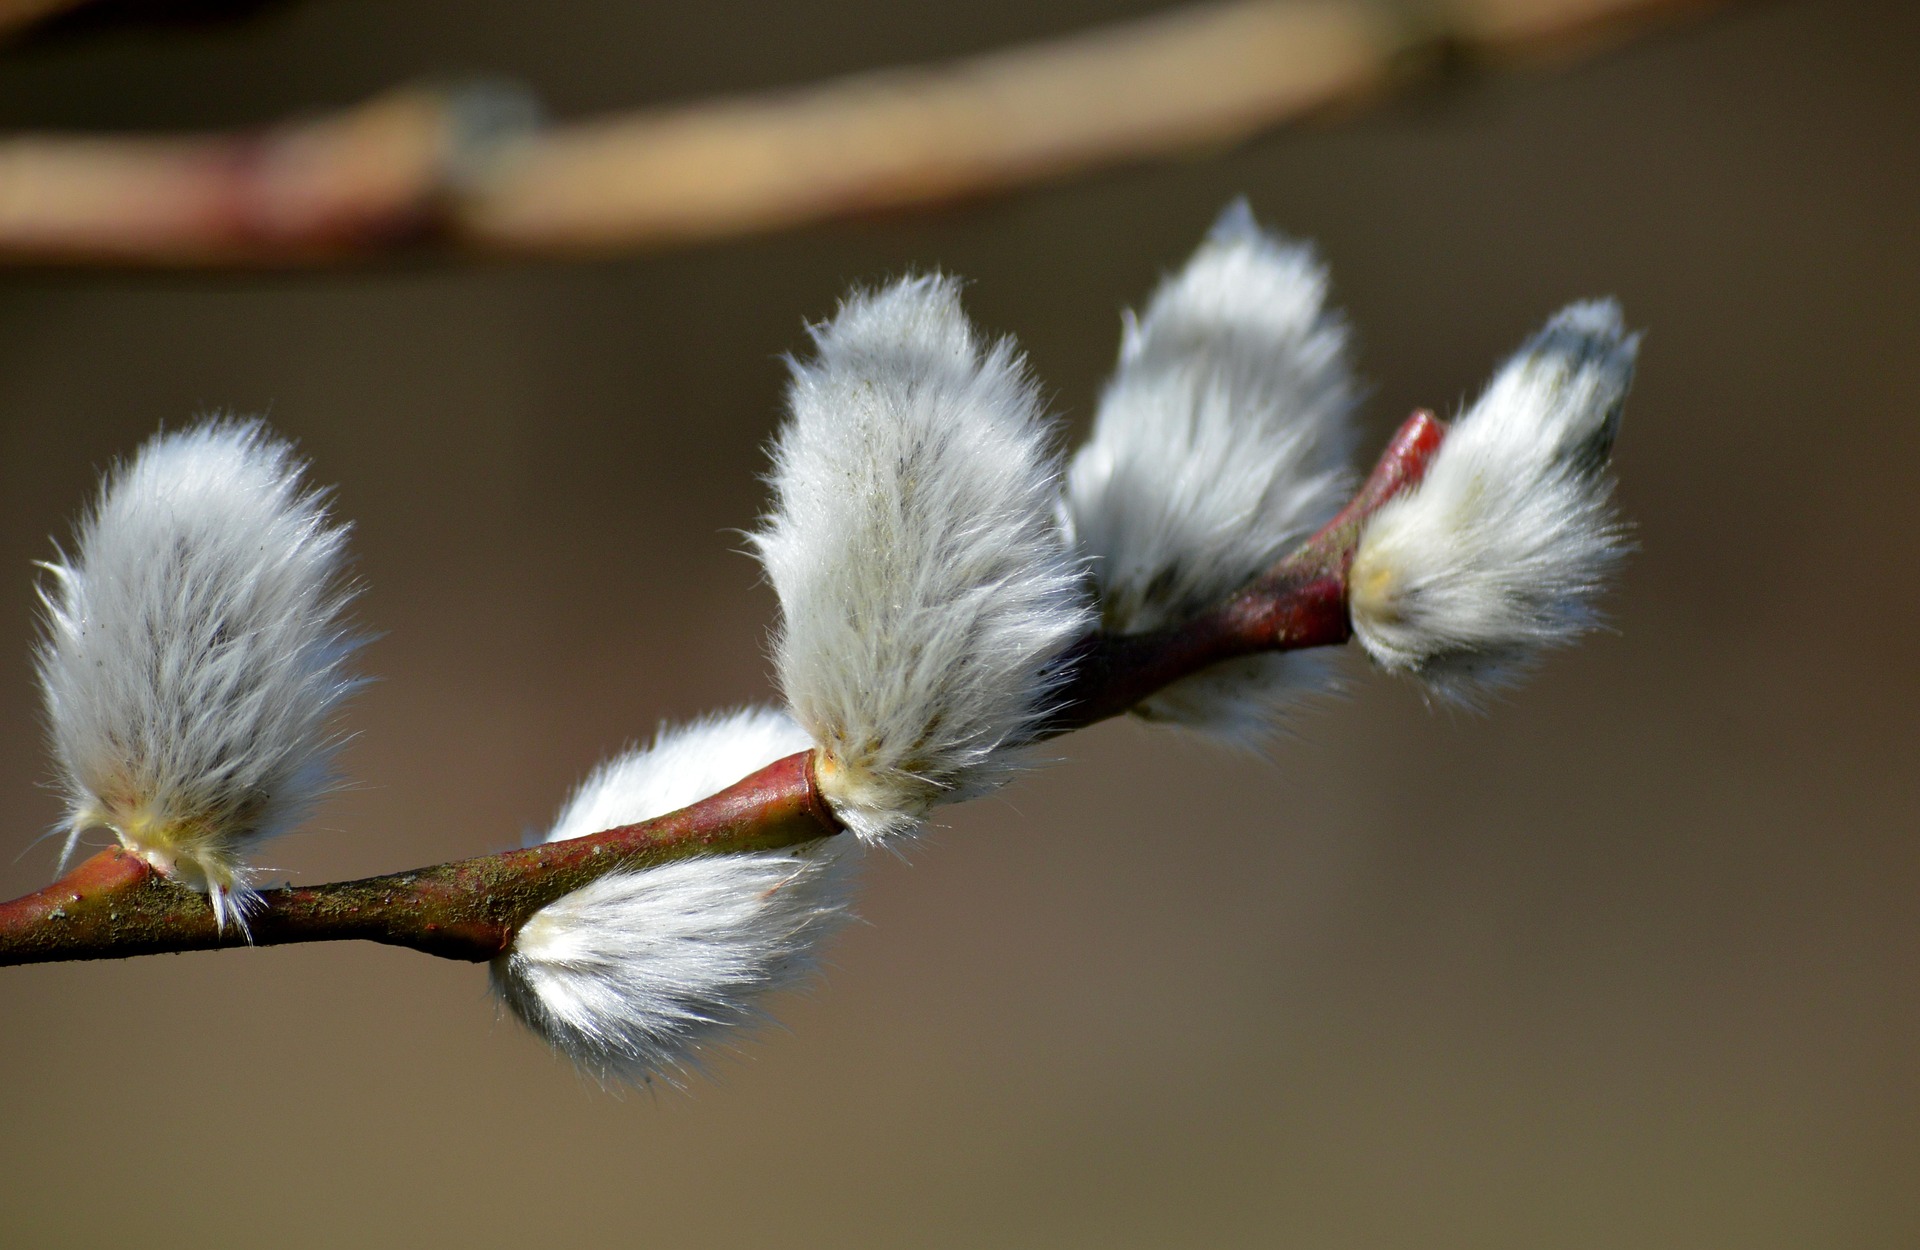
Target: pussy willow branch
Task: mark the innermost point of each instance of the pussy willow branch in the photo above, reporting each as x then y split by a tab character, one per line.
115	905
456	173
1300	602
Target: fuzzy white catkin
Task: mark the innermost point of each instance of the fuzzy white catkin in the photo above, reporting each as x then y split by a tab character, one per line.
632	975
925	587
1501	550
1222	441
195	649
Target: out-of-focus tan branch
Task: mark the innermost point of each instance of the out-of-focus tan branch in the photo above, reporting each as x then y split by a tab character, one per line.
424	167
17	14
364	180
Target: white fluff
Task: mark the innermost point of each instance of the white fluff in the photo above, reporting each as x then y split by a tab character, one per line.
1503	547
1221	442
926	589
631	975
683	766
195	648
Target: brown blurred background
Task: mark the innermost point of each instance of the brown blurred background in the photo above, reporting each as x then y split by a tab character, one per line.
1631	962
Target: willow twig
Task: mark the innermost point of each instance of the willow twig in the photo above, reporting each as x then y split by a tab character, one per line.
443	170
116	905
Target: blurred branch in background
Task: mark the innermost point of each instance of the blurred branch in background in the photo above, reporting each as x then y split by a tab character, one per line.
470	172
23	20
17	15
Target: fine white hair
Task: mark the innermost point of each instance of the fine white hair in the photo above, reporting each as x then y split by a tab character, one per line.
1501	550
1221	442
194	650
634	974
682	766
926	589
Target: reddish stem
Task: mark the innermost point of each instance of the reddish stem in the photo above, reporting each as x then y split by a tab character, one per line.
116	905
1301	602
